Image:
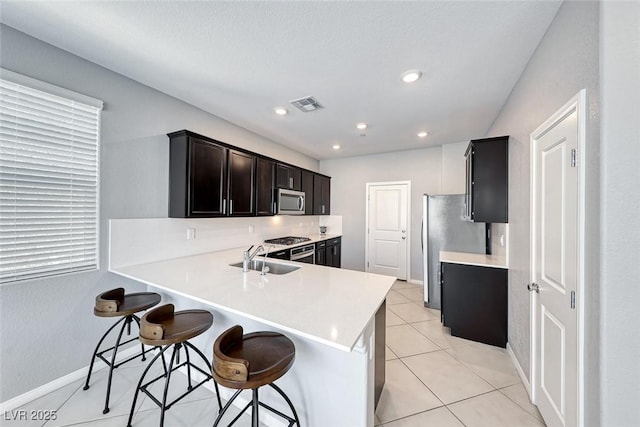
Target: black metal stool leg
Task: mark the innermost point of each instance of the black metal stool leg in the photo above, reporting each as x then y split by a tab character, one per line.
144	355
93	358
113	363
284	396
186	352
207	363
135	396
254	410
163	408
227	406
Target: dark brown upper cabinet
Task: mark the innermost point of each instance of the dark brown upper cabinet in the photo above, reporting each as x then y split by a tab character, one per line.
207	179
197	175
265	194
321	195
307	188
288	176
241	183
487	179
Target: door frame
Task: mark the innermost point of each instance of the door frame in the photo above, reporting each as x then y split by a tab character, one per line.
366	223
578	104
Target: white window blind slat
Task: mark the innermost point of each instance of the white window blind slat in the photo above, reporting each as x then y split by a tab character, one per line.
48	183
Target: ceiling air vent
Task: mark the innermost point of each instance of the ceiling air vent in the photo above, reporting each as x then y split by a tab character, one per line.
306	104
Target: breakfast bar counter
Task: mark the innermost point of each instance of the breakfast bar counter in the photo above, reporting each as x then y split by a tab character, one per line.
329	313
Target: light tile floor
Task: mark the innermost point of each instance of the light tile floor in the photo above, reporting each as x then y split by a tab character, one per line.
433	379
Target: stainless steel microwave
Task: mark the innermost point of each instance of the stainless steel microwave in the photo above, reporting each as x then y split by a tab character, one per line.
290	202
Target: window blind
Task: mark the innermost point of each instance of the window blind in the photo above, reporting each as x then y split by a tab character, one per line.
48	183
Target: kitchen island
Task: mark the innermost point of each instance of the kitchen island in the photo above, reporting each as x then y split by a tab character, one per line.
329	314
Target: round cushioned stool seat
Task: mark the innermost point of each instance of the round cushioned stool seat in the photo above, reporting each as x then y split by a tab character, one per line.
115	303
265	356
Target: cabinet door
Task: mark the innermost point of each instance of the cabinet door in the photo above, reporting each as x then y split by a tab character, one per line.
265	191
487	180
307	187
334	249
288	177
474	302
241	179
321	195
206	178
321	257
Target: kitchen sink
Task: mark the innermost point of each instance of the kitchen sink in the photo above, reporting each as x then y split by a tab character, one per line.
274	268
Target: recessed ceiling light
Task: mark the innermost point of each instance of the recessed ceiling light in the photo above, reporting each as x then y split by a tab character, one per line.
336	146
422	134
280	111
411	76
361	126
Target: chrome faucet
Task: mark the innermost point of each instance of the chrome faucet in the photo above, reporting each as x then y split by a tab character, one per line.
247	257
265	268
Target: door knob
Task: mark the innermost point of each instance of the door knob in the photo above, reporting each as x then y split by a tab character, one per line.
533	287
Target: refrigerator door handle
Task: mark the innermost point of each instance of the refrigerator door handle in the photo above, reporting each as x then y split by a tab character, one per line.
422	234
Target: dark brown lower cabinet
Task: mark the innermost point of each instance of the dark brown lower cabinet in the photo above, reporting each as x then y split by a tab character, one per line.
333	253
328	252
474	302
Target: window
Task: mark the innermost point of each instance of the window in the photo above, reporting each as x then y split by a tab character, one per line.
48	179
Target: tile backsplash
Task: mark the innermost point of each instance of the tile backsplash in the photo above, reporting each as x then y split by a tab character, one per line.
136	241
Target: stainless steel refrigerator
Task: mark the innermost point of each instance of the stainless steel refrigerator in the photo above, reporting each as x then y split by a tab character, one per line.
444	229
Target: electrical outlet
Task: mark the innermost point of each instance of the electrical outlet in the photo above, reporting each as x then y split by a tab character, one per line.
191	233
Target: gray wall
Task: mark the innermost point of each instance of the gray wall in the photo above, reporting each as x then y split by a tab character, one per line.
565	61
620	226
349	177
47	327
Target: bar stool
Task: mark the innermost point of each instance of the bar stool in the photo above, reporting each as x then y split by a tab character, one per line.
115	303
251	361
164	327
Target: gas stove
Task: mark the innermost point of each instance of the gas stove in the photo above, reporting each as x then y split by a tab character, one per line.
289	240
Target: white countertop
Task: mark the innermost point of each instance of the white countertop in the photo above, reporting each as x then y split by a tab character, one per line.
481	260
328	305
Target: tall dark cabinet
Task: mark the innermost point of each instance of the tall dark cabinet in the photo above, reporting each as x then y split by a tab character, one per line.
321	195
265	195
487	177
240	183
306	180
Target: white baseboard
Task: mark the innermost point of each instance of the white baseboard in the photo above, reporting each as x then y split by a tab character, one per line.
56	384
415	282
523	377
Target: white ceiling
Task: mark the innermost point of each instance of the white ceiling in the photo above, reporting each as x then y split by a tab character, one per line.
238	60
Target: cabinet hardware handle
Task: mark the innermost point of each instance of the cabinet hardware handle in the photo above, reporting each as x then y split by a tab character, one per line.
230	207
533	287
291	182
323	209
224	206
273	209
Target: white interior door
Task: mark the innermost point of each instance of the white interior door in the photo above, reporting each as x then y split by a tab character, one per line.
555	226
387	236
